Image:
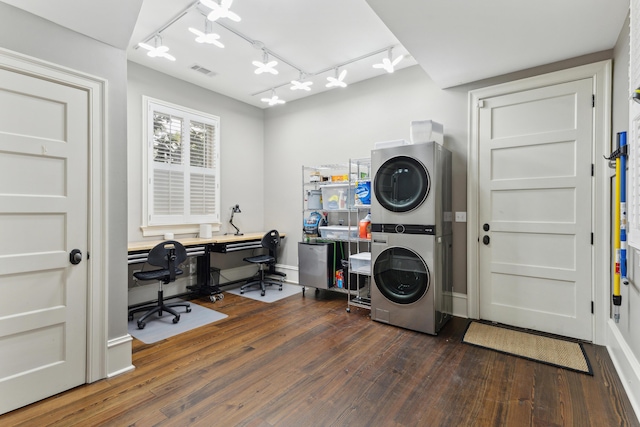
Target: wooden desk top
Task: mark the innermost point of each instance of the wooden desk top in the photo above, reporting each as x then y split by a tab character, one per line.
194	241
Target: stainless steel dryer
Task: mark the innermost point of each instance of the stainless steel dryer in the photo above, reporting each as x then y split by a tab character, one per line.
411	280
412	185
411	248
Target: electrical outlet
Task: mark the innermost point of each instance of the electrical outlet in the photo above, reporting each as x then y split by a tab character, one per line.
461	217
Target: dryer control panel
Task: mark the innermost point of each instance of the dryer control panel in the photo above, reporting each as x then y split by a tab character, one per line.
403	229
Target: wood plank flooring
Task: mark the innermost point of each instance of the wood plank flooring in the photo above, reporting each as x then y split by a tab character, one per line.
305	361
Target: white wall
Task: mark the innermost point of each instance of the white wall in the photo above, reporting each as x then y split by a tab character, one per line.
67	48
241	147
334	126
625	338
340	124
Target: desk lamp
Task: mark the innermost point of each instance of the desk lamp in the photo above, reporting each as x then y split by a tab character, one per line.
235	209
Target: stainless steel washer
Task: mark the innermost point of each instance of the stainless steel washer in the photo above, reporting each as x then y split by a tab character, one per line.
411	280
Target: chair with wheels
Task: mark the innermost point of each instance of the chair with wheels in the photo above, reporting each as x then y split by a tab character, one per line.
267	262
168	256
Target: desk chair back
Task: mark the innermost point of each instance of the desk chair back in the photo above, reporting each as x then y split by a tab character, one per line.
271	241
168	255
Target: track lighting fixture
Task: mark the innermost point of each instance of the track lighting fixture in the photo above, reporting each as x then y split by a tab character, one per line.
207	36
387	64
274	100
337	81
157	50
220	10
301	84
265	66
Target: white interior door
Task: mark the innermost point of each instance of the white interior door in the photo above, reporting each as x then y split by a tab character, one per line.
43	217
535	196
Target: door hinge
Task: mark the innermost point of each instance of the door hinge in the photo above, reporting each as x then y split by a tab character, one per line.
592	238
591	307
88	256
593	169
593	101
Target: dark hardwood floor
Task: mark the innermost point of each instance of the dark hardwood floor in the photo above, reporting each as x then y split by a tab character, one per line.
307	362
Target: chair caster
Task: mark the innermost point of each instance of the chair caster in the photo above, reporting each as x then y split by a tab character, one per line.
141	325
261	293
216	297
176	319
130	317
241	292
188	309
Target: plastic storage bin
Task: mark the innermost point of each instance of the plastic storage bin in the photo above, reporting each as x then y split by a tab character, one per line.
361	263
338	232
337	196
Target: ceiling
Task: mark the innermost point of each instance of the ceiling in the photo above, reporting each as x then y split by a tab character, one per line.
460	41
454	41
312	37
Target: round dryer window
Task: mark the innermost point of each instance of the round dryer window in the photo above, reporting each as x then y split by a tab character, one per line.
401	184
401	275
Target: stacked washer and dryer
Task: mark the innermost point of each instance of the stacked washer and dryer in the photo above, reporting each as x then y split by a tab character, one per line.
411	249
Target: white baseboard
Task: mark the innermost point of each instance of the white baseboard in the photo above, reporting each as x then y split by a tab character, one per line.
626	364
291	272
459	300
119	352
459	304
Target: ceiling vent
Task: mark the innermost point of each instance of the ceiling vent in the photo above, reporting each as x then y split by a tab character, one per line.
203	70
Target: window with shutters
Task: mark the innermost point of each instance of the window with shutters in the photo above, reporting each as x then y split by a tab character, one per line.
182	155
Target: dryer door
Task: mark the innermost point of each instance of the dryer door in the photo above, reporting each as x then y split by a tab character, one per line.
401	275
401	184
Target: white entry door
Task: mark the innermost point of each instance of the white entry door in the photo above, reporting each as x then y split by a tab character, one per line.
535	213
43	217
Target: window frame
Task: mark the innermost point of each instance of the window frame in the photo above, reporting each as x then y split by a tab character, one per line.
157	225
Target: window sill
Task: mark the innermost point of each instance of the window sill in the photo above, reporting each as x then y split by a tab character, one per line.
177	229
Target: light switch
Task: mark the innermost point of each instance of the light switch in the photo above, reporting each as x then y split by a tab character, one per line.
461	217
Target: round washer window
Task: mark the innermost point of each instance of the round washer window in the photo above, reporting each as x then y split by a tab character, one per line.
401	275
401	184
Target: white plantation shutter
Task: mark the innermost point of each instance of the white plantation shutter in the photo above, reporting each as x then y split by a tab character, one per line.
633	134
183	171
202	175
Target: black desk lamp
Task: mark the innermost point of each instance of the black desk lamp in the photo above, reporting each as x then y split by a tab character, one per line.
235	209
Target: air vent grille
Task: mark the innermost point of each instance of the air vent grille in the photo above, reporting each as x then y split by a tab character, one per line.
203	70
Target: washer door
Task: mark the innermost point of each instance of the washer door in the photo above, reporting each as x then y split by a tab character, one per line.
401	184
401	275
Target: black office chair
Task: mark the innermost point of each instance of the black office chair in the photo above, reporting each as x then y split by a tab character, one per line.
168	255
267	262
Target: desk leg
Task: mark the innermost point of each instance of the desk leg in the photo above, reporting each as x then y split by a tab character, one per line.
204	286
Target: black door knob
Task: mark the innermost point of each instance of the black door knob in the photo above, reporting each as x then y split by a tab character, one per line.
486	240
75	256
485	227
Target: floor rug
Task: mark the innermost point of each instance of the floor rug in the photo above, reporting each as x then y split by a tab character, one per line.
160	328
272	294
552	351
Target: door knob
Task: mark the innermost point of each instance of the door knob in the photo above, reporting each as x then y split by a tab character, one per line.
486	240
485	227
75	256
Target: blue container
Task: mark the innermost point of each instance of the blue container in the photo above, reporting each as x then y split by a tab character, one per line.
363	192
